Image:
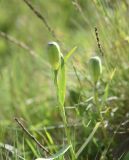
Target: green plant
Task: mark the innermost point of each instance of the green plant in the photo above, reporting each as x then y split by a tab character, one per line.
96	71
95	68
58	63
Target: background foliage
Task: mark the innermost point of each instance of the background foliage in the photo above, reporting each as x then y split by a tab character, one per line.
26	82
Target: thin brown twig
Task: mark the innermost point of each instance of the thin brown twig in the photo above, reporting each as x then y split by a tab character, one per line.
31	136
21	45
42	18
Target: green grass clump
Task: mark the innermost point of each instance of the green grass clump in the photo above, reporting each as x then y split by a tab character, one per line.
78	107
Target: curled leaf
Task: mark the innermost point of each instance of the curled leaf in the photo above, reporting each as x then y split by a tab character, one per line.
54	55
95	68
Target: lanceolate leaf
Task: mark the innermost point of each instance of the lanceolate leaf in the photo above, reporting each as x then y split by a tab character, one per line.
57	155
88	139
68	55
62	83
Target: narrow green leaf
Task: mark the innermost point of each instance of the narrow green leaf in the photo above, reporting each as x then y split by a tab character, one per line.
125	156
68	55
32	148
62	83
57	155
108	84
88	139
49	137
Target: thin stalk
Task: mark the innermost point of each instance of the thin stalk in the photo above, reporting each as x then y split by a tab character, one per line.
98	105
62	111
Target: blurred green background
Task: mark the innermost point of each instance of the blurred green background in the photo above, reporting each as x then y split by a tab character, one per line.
26	82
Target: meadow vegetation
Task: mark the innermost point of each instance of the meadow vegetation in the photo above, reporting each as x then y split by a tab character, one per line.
80	108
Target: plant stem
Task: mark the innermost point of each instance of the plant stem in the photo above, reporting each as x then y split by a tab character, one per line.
62	111
96	101
67	132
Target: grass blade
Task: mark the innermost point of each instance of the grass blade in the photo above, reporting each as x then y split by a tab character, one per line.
57	155
88	139
108	84
70	53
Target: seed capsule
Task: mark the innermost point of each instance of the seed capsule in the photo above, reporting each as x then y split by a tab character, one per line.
54	55
96	68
